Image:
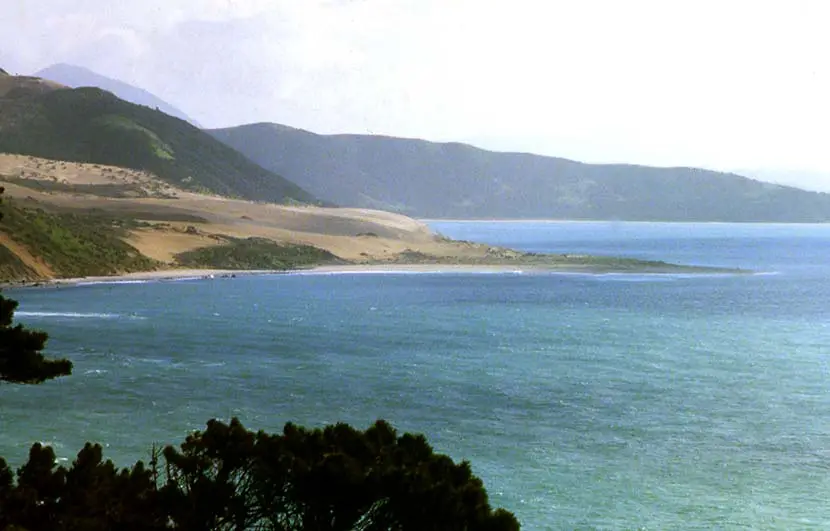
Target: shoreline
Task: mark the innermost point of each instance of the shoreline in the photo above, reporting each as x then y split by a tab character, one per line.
140	276
392	268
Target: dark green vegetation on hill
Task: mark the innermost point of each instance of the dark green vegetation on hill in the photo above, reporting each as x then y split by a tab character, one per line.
256	253
454	180
71	244
91	125
78	76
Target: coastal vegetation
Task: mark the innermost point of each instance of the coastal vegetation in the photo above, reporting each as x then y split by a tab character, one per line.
72	244
256	253
496	256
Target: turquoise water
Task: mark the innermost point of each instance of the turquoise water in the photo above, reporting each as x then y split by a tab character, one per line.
590	402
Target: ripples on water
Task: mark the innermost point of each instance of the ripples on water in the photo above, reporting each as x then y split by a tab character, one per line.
610	402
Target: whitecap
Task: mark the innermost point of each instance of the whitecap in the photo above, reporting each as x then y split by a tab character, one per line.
356	272
405	272
70	315
109	282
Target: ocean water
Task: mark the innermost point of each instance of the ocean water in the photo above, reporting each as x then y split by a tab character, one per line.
583	401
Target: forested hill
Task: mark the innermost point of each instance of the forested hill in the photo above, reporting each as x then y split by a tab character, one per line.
44	119
451	180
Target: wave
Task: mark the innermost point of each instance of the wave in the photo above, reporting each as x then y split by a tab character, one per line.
621	276
405	272
637	279
661	277
354	272
69	315
110	282
87	283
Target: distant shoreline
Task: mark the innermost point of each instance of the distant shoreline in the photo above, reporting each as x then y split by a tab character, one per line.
140	276
376	268
554	220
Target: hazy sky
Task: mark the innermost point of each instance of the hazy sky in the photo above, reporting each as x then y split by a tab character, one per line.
724	84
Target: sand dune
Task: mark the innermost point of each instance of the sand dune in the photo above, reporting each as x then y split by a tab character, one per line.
179	220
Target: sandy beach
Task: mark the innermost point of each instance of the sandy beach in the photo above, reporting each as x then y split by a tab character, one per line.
197	274
185	274
143	276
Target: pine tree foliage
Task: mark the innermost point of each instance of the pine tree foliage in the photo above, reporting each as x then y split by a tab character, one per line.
228	478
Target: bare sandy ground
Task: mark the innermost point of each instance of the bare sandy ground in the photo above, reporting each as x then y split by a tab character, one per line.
179	221
75	173
36	264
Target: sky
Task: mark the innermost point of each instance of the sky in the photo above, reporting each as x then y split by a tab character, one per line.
723	84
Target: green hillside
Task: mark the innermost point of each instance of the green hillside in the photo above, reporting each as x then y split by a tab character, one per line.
451	180
70	244
92	125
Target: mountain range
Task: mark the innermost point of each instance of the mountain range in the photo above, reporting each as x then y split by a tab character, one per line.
410	176
452	180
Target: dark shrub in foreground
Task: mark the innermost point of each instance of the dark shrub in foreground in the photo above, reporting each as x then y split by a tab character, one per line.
229	478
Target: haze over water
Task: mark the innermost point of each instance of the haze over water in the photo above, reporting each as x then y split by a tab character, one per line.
607	402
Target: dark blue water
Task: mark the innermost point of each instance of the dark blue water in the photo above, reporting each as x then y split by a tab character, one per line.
607	402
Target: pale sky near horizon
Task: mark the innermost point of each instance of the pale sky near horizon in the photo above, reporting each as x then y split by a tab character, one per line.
728	84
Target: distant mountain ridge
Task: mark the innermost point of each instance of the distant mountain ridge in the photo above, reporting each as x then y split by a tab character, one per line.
44	119
453	180
78	76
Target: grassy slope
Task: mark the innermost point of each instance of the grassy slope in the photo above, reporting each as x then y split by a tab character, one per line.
91	125
72	244
451	180
90	244
256	253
